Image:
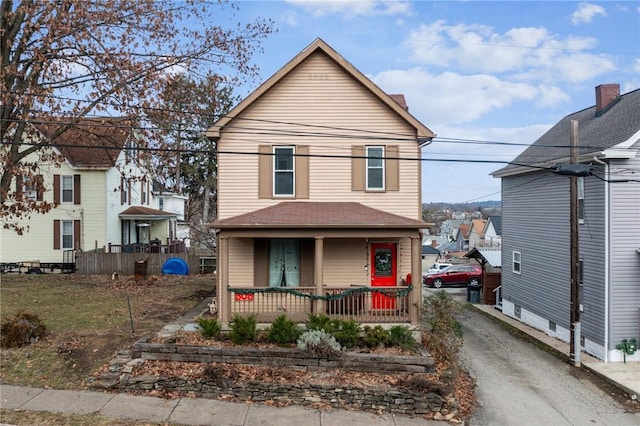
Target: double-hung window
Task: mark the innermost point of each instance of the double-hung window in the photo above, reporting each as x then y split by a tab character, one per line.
67	234
67	189
283	171
375	168
517	262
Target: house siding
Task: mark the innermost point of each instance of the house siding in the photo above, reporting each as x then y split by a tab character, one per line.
316	93
535	217
624	260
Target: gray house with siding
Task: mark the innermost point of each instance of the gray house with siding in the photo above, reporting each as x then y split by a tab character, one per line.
536	228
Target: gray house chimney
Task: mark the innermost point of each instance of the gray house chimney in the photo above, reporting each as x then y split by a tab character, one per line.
606	94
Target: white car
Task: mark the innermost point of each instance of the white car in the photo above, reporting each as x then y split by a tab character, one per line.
437	267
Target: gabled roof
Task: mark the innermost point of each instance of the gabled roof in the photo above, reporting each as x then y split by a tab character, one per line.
464	229
393	102
496	221
92	142
430	250
493	256
478	226
619	124
301	214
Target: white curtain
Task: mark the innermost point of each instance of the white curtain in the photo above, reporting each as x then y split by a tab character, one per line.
284	263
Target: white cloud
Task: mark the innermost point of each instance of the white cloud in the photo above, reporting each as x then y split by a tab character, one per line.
527	52
551	96
354	7
586	12
447	98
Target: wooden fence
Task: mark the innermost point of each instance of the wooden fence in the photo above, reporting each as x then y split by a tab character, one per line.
490	281
97	263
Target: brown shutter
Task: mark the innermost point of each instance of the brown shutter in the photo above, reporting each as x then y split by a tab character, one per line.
39	188
76	235
265	172
357	168
391	169
129	191
143	194
76	189
56	235
18	185
302	171
260	262
122	200
56	189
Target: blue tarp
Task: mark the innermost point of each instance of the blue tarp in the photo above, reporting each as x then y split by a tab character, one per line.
175	266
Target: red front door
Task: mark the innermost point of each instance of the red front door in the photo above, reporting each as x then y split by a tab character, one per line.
383	273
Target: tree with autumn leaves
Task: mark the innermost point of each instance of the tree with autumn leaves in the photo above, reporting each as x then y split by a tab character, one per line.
68	60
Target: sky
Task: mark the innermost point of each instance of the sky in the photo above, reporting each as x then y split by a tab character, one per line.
484	71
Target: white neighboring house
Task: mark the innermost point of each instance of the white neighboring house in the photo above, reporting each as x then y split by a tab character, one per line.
174	203
101	195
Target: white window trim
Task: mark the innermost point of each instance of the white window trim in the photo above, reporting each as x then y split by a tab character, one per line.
292	171
367	167
580	199
28	189
515	262
62	234
62	189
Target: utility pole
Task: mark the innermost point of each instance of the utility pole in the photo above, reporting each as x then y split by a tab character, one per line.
574	343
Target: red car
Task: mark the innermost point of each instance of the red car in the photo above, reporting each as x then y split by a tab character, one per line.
455	275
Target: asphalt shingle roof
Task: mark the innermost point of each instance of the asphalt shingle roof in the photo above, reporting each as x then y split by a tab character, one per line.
81	145
595	133
297	214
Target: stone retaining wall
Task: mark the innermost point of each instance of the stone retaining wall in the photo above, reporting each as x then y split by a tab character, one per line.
285	357
401	401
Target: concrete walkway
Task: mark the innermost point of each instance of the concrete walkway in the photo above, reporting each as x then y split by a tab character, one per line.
625	376
188	411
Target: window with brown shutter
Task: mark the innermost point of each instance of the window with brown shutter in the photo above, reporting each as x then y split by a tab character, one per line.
56	189
357	168
56	235
76	235
76	189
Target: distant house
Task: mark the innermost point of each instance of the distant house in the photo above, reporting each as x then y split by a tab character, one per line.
536	231
101	195
461	238
493	231
476	233
315	210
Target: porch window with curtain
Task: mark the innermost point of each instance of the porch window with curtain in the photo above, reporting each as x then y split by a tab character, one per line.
284	263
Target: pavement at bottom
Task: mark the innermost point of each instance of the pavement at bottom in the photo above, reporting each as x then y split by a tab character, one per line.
189	411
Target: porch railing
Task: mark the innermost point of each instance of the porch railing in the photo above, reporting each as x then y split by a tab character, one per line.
363	304
171	247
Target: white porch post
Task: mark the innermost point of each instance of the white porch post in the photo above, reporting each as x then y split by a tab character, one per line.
319	275
416	279
223	296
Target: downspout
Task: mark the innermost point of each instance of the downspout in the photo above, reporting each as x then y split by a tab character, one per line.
606	258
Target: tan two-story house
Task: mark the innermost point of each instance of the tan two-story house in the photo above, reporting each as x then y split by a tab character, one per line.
319	195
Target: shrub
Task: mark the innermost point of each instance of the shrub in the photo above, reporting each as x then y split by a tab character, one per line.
21	329
318	322
283	331
443	331
243	330
374	337
209	327
319	342
400	335
346	333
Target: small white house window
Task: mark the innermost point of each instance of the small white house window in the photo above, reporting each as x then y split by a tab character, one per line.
283	171
67	234
375	167
67	189
29	188
517	262
160	203
580	199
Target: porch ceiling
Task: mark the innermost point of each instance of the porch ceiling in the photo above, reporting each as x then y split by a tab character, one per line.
318	215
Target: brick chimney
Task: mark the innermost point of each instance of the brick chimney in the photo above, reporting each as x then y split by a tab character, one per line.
606	94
